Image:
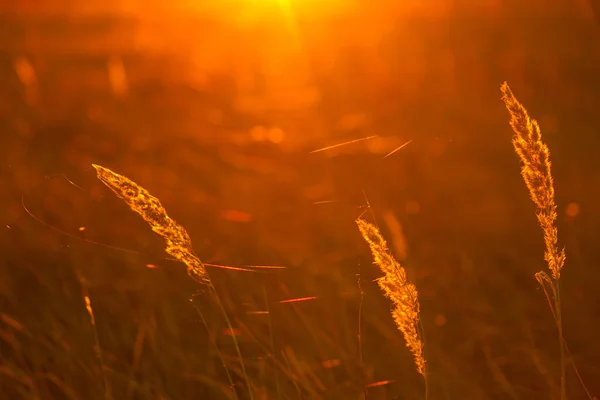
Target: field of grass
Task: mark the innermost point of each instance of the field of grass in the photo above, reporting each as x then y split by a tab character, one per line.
289	238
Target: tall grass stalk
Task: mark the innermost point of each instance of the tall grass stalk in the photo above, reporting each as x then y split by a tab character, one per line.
179	244
397	288
97	349
536	172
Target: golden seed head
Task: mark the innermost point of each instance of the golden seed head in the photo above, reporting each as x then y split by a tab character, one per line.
396	287
179	244
536	172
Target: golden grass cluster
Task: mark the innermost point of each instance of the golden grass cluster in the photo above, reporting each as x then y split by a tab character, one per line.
179	244
536	172
535	169
397	288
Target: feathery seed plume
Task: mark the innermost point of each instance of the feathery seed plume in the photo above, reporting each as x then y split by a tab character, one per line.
397	288
179	244
535	169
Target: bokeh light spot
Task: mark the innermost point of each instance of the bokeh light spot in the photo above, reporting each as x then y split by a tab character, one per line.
413	207
440	320
572	210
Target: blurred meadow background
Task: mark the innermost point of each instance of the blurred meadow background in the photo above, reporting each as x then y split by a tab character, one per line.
217	108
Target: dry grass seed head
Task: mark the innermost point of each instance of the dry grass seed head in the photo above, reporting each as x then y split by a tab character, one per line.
179	244
536	172
397	288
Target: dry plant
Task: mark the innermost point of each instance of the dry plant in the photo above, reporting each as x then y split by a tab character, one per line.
535	169
397	288
179	244
97	349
